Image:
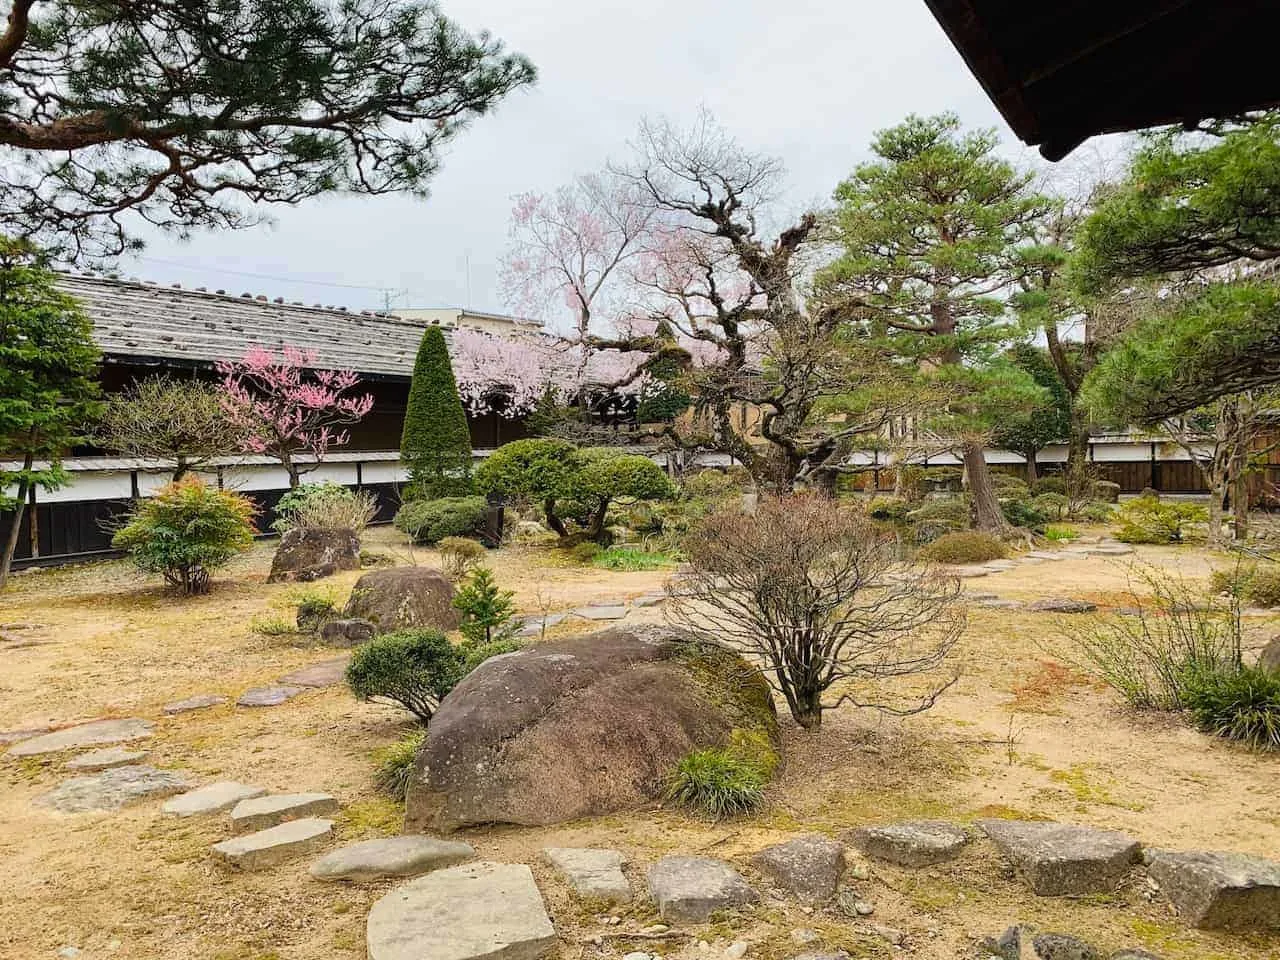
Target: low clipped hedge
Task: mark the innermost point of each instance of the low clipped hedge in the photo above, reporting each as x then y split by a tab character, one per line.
964	546
430	521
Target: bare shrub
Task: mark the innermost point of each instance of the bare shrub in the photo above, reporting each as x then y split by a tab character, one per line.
458	555
332	507
818	594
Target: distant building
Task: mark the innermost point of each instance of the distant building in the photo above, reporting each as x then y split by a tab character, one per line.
459	317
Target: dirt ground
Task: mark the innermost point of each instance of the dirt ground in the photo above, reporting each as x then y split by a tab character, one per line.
1018	735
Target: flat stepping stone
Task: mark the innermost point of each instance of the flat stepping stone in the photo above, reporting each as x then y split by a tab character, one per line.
90	734
266	848
211	798
1061	605
809	867
535	626
1219	890
105	758
200	701
1063	860
693	888
17	736
406	856
998	566
614	611
594	874
917	843
1109	550
649	601
328	673
262	812
112	789
999	604
480	911
1045	555
968	573
268	696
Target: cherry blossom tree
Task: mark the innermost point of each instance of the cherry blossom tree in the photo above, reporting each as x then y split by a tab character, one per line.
286	407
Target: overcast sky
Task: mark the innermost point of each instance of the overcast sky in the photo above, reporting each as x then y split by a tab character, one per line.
806	80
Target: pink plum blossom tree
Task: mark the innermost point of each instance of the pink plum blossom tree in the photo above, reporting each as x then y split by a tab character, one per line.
286	407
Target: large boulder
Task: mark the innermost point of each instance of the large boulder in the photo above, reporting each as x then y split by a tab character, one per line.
580	727
1269	659
403	598
309	553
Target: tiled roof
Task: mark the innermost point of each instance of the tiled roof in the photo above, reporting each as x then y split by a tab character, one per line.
133	319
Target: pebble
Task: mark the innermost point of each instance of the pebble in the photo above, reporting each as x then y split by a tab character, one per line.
638	955
805	935
655	928
736	950
863	908
69	953
860	871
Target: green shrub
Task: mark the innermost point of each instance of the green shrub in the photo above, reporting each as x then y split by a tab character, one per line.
1263	588
327	506
964	546
585	552
948	478
1096	512
187	529
537	470
1241	704
1053	506
624	558
458	555
435	444
272	626
395	765
1022	513
1007	485
314	610
1106	491
606	476
487	611
477	653
709	484
938	516
430	521
888	508
1060	532
720	782
1147	520
1049	485
414	668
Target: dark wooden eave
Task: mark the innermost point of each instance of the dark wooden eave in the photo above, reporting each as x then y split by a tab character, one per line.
1062	72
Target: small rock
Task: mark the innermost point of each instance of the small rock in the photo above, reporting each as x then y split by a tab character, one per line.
649	601
638	955
266	848
1269	658
889	934
918	843
1059	946
612	611
69	953
809	867
693	888
85	735
1064	860
860	871
1008	946
405	856
596	874
968	573
268	696
212	798
112	789
863	909
736	950
328	673
347	633
105	759
1061	605
201	701
262	812
1134	954
655	928
805	936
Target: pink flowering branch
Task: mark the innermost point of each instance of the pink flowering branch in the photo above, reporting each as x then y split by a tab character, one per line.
285	407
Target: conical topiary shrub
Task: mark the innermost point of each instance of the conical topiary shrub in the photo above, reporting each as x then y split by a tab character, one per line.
436	444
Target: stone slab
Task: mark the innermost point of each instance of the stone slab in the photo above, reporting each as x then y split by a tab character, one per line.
1219	890
268	696
969	572
406	856
85	735
612	611
211	798
105	758
998	566
200	701
327	673
809	867
112	789
999	604
260	813
693	888
266	848
534	626
1061	605
480	911
17	736
1063	860
1045	555
593	873
916	843
649	601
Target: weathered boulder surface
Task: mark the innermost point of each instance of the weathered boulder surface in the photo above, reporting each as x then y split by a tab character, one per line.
579	727
917	843
407	856
1219	890
1061	605
809	867
693	888
1269	659
1062	860
1061	946
481	911
347	633
403	598
309	553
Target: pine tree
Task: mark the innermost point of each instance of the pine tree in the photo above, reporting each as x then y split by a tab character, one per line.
48	383
486	610
436	443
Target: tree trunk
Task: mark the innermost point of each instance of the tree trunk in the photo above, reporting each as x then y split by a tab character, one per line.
554	522
1078	442
1217	495
1032	475
806	708
984	507
595	528
180	469
11	539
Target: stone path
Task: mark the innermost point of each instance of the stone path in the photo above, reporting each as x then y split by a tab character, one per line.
327	673
489	910
1219	890
613	611
693	888
593	873
268	696
920	843
85	735
200	701
1062	860
808	867
405	856
267	811
105	758
211	798
112	789
266	848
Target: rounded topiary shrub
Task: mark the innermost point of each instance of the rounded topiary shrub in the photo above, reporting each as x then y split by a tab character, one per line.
414	668
1049	485
964	546
430	521
888	508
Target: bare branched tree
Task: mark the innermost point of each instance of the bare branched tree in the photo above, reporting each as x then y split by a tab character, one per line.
818	596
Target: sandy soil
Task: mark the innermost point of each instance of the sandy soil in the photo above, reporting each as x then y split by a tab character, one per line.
1019	734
